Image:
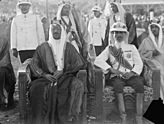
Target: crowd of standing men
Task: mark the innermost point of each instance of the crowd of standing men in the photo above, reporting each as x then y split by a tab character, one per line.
64	46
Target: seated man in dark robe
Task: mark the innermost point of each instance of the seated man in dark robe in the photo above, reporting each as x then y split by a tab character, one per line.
7	77
56	93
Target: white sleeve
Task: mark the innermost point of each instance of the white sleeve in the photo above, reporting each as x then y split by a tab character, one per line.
100	60
138	64
13	34
90	30
104	28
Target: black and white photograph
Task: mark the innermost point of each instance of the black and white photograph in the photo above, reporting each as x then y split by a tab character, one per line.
81	61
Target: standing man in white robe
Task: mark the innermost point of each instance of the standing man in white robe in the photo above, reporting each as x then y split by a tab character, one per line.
26	31
97	28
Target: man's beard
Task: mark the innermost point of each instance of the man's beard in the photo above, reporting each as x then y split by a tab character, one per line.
119	39
56	36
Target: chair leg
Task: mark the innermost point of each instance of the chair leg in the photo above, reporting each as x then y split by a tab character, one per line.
84	106
139	108
121	107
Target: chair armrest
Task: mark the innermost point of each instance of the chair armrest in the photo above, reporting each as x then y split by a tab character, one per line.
151	65
156	79
24	71
98	79
82	75
23	80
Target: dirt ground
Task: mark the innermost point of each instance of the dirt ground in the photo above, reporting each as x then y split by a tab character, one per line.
12	116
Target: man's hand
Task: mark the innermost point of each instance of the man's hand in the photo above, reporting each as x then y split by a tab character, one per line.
128	75
114	71
57	74
69	36
15	52
156	53
75	37
49	77
91	46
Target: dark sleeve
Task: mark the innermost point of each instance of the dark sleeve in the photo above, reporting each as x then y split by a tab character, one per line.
74	61
142	37
82	30
130	23
35	64
4	47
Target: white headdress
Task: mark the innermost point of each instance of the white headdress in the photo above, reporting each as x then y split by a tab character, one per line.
159	44
58	46
121	10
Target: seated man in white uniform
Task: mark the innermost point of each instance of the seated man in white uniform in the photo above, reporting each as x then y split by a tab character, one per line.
125	67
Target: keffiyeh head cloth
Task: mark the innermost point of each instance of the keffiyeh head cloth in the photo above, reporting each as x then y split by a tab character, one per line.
57	46
71	18
121	10
60	7
151	35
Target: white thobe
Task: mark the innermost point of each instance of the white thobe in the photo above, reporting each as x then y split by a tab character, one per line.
26	32
97	28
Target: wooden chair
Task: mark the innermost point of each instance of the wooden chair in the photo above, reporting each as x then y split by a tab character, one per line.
24	78
104	97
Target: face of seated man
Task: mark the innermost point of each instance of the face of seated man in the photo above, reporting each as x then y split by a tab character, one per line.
155	30
56	31
24	8
119	36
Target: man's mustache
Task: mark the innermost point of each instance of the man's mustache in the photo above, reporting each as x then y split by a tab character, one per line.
56	33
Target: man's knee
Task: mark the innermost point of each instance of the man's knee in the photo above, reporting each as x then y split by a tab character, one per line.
78	85
139	87
137	84
118	85
37	89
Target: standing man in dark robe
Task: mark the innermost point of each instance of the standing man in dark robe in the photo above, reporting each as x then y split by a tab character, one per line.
7	77
56	94
75	27
116	13
144	34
